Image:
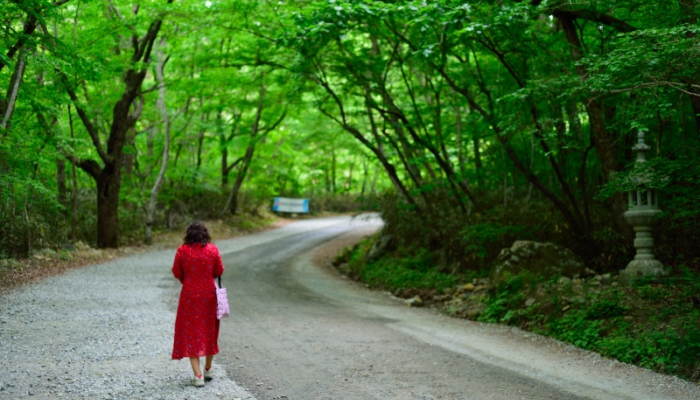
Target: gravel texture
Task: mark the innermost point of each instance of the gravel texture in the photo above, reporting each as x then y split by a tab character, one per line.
102	332
106	331
296	331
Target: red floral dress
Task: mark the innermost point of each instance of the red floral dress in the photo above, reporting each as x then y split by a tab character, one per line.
196	325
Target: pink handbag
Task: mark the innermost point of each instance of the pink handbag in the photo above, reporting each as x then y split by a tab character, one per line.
221	301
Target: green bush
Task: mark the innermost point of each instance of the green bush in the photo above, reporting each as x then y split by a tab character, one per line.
401	271
504	303
396	274
664	351
484	239
577	329
605	307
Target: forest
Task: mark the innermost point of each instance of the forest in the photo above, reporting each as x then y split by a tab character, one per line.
466	124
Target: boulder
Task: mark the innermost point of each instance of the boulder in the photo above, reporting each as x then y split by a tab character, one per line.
564	281
543	259
469	287
380	247
415	301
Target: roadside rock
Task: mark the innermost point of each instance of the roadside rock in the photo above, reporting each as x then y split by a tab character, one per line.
380	247
414	302
545	259
564	281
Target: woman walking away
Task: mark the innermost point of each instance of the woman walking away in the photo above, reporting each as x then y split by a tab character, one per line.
197	264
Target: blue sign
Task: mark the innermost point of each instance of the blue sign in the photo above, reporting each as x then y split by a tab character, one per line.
285	204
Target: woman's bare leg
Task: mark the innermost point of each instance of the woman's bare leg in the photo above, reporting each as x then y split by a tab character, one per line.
194	361
207	364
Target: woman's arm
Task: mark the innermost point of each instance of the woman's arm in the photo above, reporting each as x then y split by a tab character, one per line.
178	272
218	269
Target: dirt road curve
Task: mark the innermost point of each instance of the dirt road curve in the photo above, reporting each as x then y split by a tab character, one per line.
300	332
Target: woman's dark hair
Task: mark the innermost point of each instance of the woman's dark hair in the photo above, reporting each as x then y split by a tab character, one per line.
197	233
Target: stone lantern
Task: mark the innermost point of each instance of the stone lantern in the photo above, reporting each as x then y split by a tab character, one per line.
643	209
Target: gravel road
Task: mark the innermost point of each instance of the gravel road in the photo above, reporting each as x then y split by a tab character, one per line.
296	331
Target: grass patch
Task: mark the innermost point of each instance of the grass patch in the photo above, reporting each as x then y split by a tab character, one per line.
395	273
399	274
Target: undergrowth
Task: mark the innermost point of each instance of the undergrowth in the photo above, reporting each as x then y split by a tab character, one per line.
653	324
394	273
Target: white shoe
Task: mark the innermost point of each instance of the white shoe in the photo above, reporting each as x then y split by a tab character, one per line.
208	375
198	382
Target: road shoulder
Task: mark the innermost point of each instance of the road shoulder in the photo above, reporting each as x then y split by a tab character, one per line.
559	364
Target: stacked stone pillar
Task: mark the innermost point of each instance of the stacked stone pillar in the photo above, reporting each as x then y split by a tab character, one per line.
642	214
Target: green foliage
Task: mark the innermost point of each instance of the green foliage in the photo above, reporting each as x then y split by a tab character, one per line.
605	307
479	237
653	174
397	277
495	309
651	325
396	274
467	124
665	351
667	339
502	306
578	329
457	107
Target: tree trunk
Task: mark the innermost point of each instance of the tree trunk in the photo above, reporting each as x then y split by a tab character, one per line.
130	158
232	202
8	106
160	103
365	175
150	142
349	184
688	16
398	118
224	167
477	162
460	143
74	176
200	142
224	141
28	27
372	189
601	136
333	188
108	186
108	178
603	146
74	204
61	180
377	150
10	231
240	176
695	105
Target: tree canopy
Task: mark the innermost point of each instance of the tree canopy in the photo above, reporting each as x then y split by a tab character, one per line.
475	121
